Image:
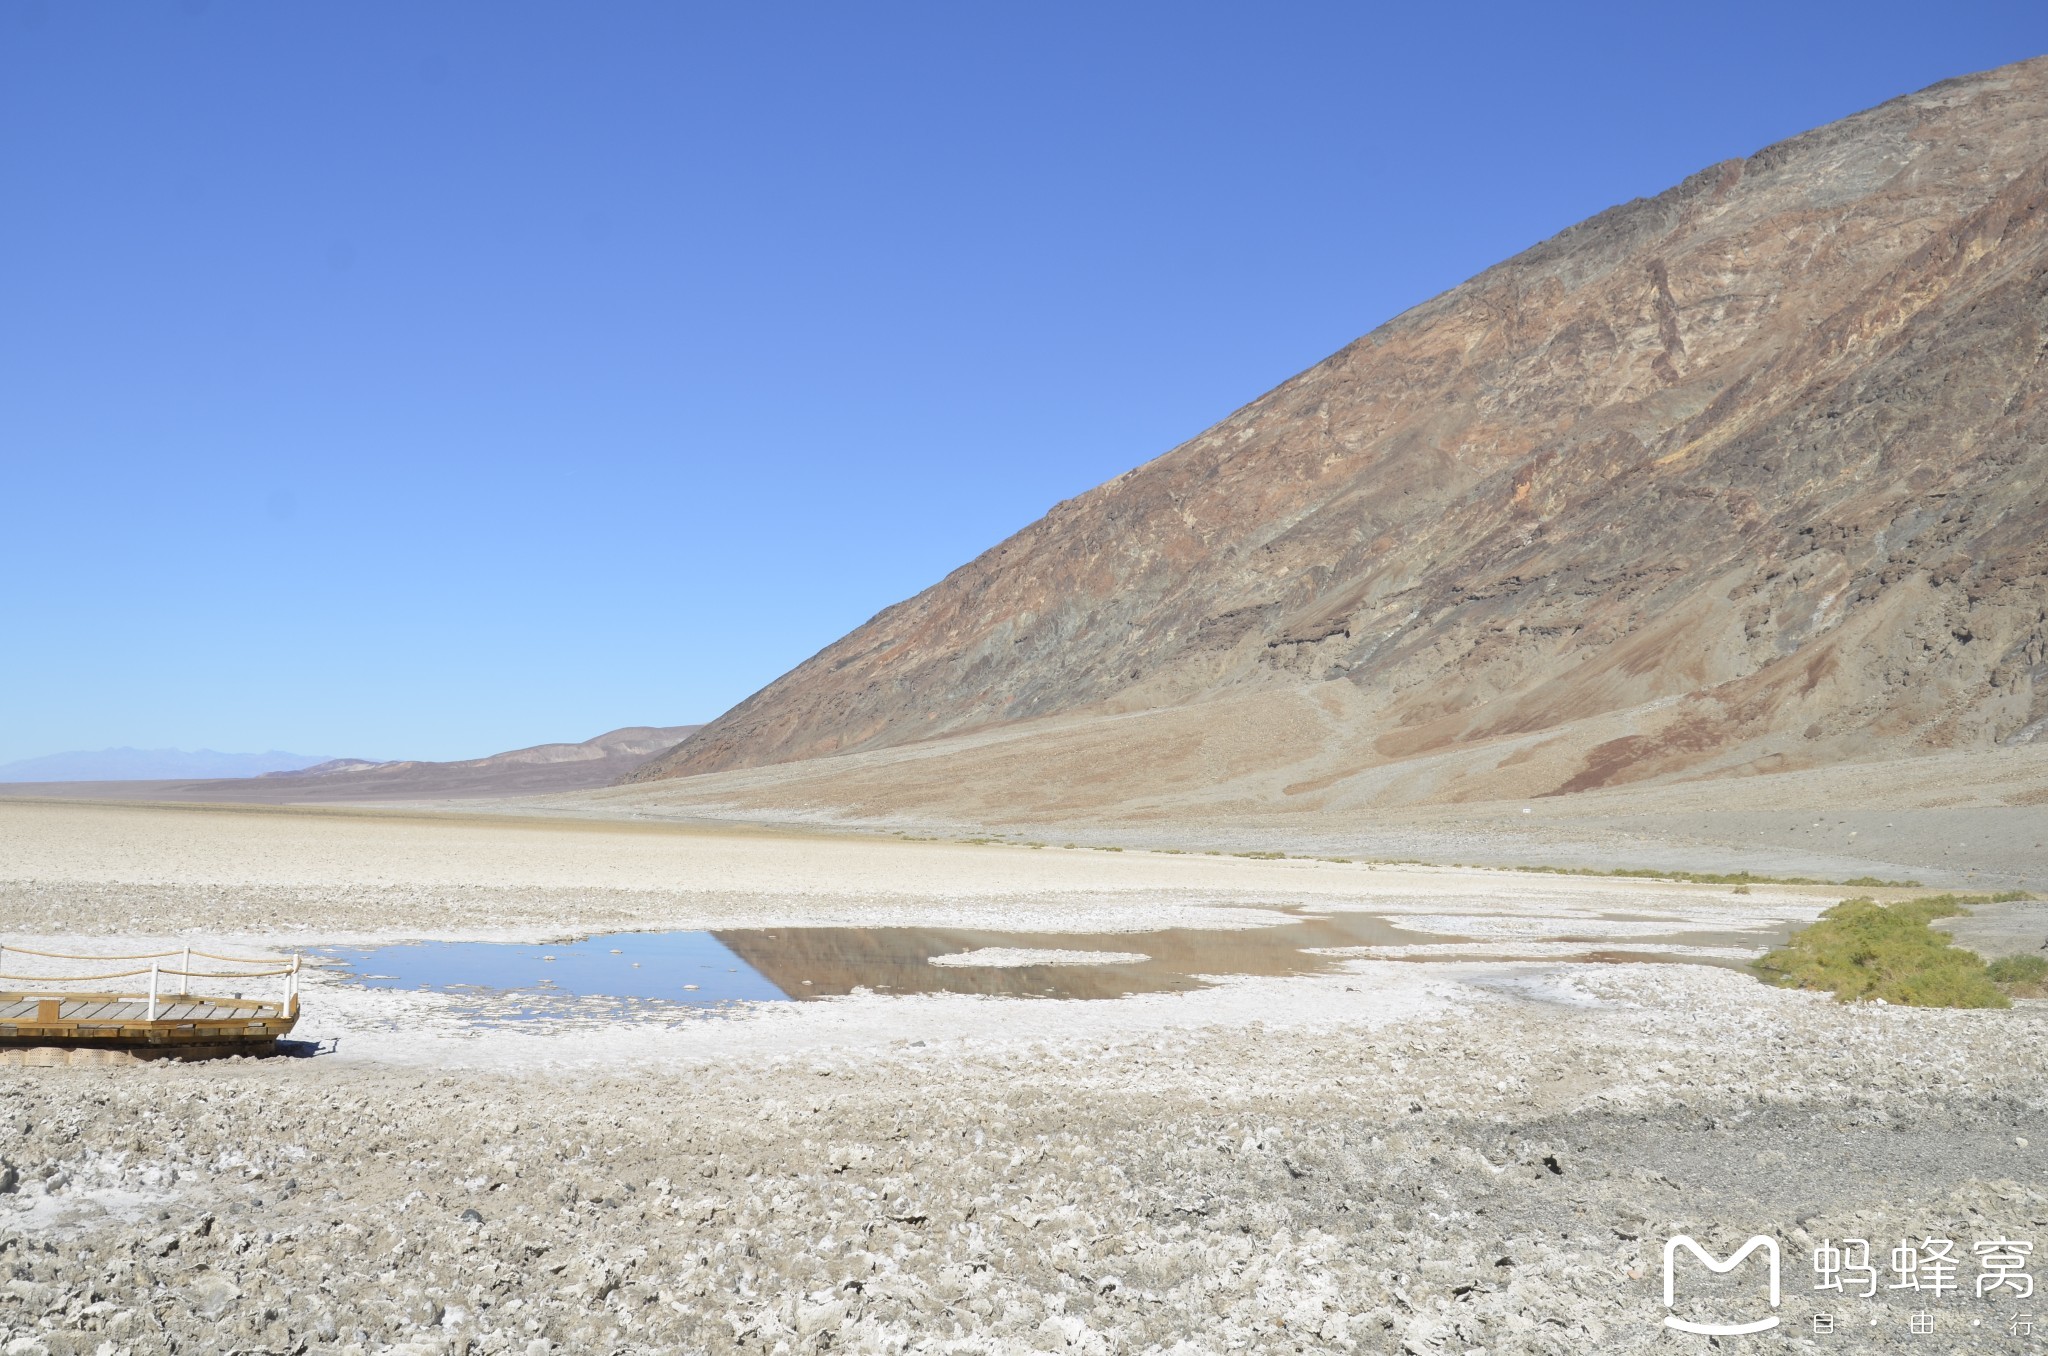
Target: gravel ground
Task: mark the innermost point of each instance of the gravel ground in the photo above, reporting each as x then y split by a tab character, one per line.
1495	1174
1464	1155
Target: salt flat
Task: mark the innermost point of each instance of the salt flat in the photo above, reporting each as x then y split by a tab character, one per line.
1464	1154
293	871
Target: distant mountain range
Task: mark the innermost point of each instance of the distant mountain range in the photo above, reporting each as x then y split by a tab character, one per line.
288	778
537	770
129	765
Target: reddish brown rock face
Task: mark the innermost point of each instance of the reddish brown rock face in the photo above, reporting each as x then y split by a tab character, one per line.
1750	475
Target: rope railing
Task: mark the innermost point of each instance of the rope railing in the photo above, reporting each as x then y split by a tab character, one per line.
78	979
139	955
159	970
234	974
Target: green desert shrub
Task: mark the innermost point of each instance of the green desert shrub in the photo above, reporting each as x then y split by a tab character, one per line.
2026	976
2018	969
1861	949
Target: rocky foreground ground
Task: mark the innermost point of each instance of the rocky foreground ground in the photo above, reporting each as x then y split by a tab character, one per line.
1471	1154
1497	1174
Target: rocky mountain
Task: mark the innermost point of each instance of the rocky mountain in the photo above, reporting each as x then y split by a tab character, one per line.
1750	476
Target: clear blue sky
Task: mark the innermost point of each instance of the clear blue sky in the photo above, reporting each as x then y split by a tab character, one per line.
426	379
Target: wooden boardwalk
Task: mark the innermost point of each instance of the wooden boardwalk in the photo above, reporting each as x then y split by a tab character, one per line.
39	1024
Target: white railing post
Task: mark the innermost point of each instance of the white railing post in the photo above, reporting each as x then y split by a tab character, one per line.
152	988
294	981
185	979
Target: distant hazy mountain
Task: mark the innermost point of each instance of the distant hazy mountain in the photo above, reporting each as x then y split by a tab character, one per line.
288	778
138	765
538	770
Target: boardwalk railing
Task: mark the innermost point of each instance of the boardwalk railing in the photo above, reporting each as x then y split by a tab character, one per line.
287	970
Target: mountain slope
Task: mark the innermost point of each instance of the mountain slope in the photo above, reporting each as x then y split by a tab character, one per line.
1749	476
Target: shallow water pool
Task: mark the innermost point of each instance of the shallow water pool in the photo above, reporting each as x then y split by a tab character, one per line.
751	965
702	970
676	967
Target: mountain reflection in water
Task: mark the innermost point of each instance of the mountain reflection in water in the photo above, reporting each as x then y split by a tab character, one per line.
898	960
742	965
775	964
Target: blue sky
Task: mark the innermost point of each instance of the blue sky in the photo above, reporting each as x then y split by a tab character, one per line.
427	379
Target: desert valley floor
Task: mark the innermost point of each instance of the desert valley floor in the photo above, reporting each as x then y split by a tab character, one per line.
1474	1145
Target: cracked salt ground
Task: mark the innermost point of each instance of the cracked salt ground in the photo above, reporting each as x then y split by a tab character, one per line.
1490	1167
951	1171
